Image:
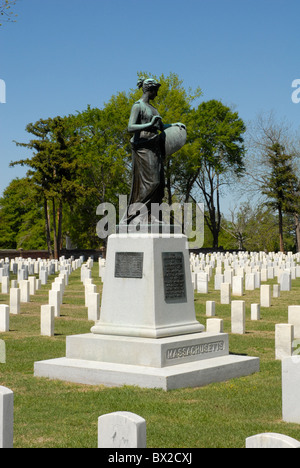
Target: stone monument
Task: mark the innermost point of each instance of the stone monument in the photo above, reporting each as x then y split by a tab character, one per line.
148	334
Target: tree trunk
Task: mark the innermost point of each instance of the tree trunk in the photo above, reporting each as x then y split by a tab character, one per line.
280	229
47	226
59	234
56	254
297	228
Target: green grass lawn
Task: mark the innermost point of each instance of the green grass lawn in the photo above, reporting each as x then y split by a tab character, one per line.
65	415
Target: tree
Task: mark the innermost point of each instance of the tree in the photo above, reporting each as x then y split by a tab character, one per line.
281	186
5	10
250	227
103	155
105	143
236	226
218	156
21	217
272	162
53	172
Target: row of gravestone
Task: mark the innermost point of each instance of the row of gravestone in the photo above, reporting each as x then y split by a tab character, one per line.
52	310
243	271
287	336
21	289
123	430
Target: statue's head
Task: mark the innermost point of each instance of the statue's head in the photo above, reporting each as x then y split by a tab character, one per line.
148	84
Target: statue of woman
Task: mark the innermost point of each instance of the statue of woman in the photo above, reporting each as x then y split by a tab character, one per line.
148	152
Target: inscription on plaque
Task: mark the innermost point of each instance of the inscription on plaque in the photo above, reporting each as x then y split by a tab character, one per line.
174	277
129	265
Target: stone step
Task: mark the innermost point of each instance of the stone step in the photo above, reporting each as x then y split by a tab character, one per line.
147	352
194	374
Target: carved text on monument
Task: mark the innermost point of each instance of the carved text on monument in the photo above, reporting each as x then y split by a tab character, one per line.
185	351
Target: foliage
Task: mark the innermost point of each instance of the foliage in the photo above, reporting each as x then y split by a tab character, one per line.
83	160
53	171
218	155
21	217
272	172
251	228
6	12
282	186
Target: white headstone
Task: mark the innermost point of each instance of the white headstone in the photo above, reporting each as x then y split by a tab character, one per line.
225	293
210	308
285	281
55	301
238	317
276	291
294	319
15	301
32	285
202	282
4	318
5	285
219	279
290	389
265	295
89	289
284	337
228	275
44	276
93	304
237	286
47	320
59	288
6	418
249	282
264	274
25	291
255	311
121	430
271	440
214	325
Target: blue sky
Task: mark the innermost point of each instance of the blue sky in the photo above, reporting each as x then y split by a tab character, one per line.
62	55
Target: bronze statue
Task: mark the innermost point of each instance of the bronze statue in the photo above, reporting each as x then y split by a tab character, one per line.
150	144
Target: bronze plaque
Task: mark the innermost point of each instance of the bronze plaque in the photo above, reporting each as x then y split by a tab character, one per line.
174	277
129	264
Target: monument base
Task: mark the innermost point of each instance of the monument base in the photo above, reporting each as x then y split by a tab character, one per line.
193	360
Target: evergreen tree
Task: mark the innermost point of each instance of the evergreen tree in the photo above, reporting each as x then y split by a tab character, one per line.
281	186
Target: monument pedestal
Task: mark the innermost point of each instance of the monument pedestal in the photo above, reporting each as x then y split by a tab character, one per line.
148	289
147	334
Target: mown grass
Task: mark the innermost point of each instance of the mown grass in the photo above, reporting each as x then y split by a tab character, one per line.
50	414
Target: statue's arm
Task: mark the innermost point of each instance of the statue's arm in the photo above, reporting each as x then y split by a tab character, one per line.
177	124
133	126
